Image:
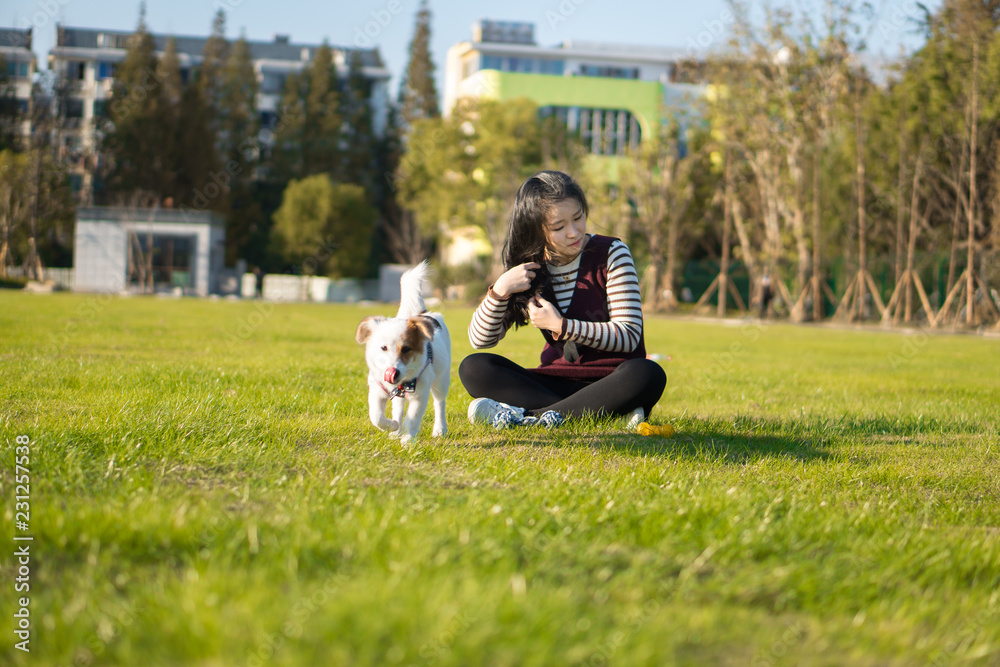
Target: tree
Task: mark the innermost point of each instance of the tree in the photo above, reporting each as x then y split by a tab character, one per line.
403	240
51	209
137	144
188	144
238	121
10	115
466	169
764	120
947	123
970	26
240	125
172	120
308	142
210	77
417	91
325	228
197	165
657	179
360	154
15	202
829	62
778	97
34	203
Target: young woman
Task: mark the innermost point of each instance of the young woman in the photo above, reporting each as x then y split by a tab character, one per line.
581	291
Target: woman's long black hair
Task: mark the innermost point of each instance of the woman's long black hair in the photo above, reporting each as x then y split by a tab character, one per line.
526	234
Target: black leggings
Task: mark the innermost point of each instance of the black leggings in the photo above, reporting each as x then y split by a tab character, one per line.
635	383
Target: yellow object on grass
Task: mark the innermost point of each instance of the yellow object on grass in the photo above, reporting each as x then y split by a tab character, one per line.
665	430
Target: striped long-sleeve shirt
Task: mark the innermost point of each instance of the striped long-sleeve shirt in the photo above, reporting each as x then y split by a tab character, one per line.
620	334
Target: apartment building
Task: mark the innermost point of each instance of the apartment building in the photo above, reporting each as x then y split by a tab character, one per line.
20	65
612	94
87	59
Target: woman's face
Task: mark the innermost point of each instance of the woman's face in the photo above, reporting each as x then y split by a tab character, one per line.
565	231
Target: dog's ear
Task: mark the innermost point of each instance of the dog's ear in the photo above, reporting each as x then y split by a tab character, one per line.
423	324
365	328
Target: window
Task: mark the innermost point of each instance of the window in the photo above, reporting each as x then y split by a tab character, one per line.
107	40
272	83
74	108
688	71
552	67
492	62
523	65
609	72
603	131
106	70
515	64
268	120
170	256
76	70
17	70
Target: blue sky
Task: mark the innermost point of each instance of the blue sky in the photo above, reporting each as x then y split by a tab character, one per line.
389	23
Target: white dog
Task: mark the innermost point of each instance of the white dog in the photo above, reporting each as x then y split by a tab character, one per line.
409	356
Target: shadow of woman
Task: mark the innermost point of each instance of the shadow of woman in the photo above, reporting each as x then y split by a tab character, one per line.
738	441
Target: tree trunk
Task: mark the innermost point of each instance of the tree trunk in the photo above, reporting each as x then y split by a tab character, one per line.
33	269
12	213
748	255
955	227
495	234
767	184
404	241
862	223
900	192
149	262
970	266
727	221
817	276
911	246
651	279
4	254
799	230
670	273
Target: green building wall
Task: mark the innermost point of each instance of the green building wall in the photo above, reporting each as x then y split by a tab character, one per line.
643	99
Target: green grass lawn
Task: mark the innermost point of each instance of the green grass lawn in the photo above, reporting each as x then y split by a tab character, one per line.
206	489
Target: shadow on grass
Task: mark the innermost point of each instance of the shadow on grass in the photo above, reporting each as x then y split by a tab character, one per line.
736	441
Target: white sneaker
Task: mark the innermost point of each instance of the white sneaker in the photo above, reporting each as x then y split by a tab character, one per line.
634	418
485	411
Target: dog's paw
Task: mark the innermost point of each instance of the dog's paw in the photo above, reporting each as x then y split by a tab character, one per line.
391	426
406	439
439	432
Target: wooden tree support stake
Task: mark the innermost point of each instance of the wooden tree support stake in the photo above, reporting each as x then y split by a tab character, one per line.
851	302
942	315
895	304
713	287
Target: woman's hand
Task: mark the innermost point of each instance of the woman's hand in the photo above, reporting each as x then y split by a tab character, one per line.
515	280
545	316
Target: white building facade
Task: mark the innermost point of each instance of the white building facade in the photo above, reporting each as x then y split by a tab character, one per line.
122	249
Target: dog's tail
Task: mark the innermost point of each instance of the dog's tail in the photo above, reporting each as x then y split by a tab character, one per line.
411	299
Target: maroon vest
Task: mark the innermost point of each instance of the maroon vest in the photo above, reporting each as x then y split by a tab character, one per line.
590	304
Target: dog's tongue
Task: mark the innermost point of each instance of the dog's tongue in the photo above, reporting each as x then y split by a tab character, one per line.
391	374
